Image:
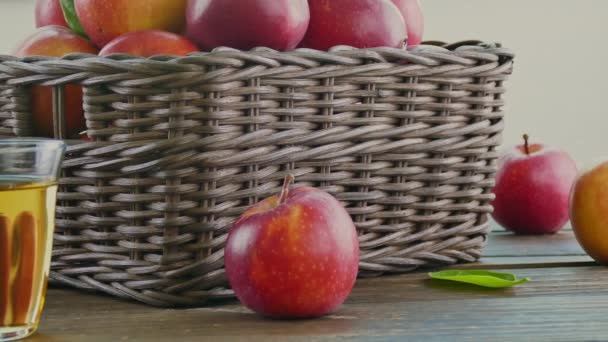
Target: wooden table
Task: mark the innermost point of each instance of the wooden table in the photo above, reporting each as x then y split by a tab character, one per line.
567	299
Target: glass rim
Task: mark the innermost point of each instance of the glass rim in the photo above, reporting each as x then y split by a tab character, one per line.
32	141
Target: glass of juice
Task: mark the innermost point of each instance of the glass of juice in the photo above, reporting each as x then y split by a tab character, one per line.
28	191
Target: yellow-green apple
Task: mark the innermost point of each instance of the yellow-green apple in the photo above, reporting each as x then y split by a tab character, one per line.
55	41
48	12
108	19
532	189
357	23
277	24
589	211
414	20
150	43
293	255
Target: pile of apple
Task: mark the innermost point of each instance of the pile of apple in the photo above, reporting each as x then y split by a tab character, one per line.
179	27
539	188
295	254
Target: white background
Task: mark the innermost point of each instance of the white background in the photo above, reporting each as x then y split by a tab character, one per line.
559	91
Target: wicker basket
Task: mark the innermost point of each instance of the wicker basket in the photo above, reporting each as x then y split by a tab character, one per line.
180	147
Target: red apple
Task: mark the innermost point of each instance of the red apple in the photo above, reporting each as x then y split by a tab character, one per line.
357	23
533	189
108	19
589	212
48	12
414	20
55	41
277	24
294	255
150	43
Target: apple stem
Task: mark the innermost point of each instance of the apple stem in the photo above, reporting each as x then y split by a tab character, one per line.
526	145
289	179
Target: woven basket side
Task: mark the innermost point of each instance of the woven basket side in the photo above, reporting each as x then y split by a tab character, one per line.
181	147
15	117
6	129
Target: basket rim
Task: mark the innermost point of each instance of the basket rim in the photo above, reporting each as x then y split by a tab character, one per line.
430	48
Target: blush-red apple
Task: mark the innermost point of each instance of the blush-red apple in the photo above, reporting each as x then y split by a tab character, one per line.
533	188
104	20
150	43
293	255
277	24
49	12
357	23
414	20
589	211
55	41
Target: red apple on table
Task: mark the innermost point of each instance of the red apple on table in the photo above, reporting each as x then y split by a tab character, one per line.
414	20
533	188
589	212
108	19
55	41
357	23
48	12
243	25
293	255
150	43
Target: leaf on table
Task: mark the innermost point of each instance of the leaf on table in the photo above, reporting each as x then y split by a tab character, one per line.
480	278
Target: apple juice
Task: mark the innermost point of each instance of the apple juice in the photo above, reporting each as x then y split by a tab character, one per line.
27	214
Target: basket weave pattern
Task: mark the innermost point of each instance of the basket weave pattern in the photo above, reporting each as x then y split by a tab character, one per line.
181	147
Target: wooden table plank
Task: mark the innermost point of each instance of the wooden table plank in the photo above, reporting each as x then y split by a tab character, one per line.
498	228
508	250
558	304
496	263
503	244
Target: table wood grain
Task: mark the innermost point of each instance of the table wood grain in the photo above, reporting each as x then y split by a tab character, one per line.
567	299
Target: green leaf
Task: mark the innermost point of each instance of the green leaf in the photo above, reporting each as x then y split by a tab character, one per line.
480	277
69	13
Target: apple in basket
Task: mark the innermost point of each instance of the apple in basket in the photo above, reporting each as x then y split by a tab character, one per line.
293	255
49	12
533	188
244	25
104	20
55	41
149	43
357	23
414	20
